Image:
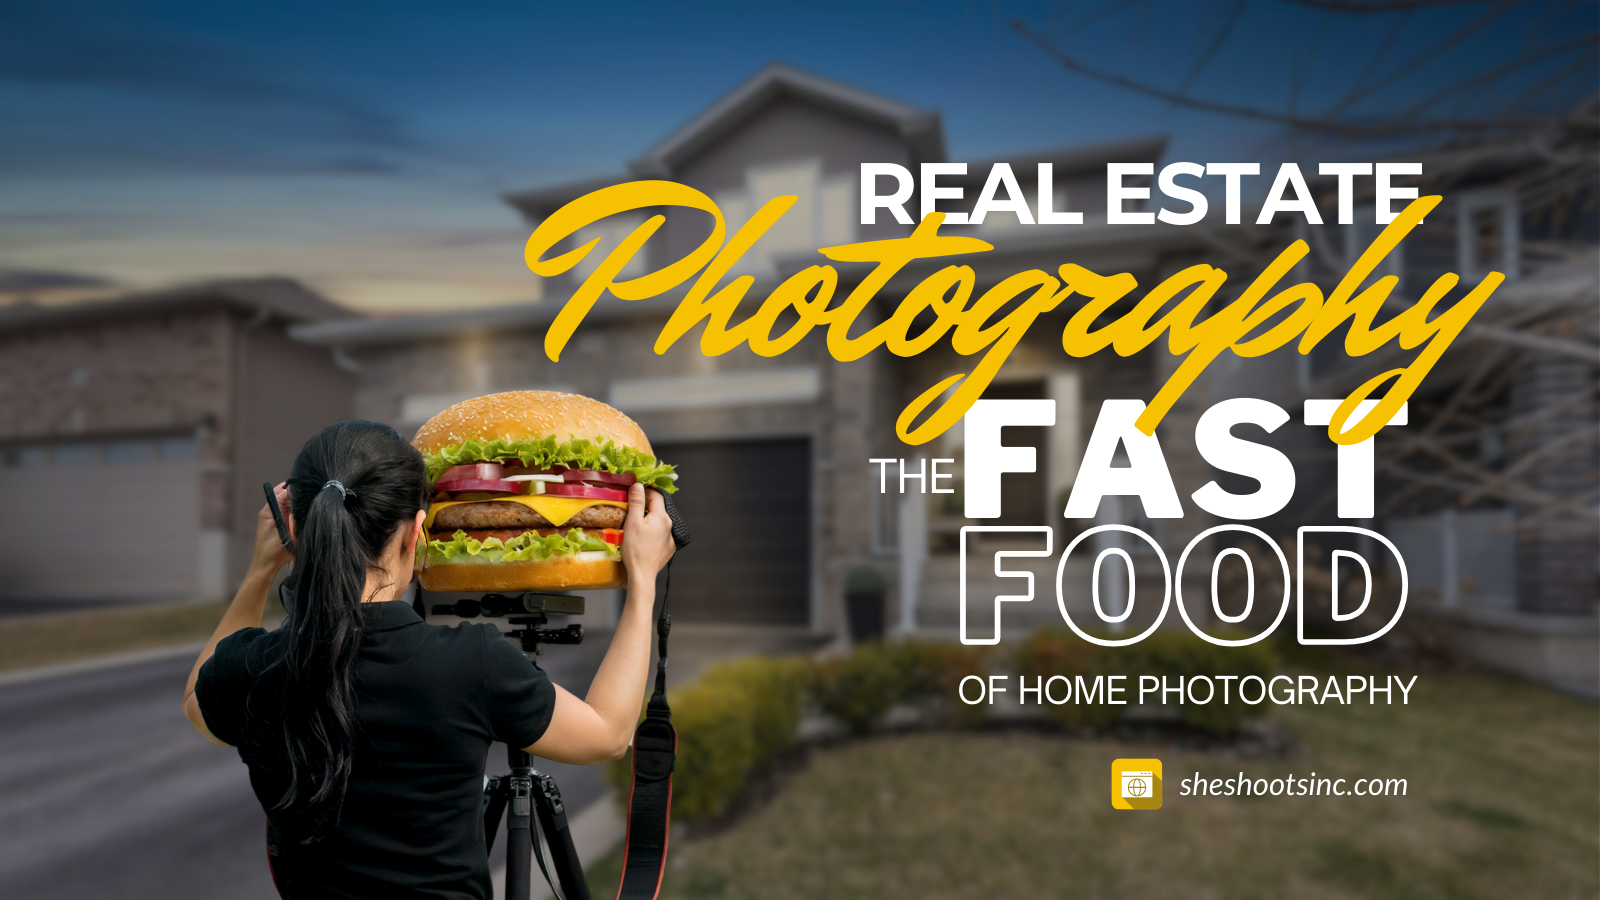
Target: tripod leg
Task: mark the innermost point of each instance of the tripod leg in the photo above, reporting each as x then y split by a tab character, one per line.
553	821
495	797
519	828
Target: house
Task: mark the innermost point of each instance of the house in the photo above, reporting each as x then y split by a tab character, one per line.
773	452
1492	491
135	434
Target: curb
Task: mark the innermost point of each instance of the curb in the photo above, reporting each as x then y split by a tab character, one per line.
58	670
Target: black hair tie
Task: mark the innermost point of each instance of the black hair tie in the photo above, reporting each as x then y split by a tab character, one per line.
344	492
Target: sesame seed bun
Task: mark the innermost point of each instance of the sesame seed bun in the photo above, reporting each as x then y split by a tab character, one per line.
563	573
515	415
519	415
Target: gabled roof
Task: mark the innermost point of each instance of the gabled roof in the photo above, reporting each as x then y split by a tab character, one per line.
540	202
282	297
919	127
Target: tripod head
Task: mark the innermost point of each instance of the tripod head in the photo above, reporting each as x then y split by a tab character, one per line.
530	610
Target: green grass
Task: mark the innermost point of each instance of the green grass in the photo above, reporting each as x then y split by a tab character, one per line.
1503	801
43	640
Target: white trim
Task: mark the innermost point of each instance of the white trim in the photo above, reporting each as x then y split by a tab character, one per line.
1504	201
801	384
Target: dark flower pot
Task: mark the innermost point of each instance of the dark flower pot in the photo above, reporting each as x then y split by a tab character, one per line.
865	610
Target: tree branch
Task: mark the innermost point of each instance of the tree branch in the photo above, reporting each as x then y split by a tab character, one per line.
1360	8
1363	129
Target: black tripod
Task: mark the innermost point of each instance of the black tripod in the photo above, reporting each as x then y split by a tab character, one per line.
526	792
521	795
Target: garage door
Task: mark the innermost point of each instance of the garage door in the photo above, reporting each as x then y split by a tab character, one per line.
748	504
117	520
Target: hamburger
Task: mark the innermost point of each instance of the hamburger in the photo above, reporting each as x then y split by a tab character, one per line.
530	491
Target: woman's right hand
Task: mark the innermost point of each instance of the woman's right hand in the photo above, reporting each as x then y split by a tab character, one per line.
646	535
270	555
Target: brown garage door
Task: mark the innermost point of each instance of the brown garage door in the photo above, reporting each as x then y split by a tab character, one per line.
748	504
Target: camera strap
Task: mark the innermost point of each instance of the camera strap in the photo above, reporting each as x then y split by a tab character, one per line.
655	748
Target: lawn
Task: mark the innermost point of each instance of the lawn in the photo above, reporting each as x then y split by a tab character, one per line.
1503	800
44	640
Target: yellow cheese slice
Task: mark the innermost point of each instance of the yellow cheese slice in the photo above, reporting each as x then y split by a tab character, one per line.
557	510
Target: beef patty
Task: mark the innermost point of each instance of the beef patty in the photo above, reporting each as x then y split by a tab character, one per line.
505	514
506	534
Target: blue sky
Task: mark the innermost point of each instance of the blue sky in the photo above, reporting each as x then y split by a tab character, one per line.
362	147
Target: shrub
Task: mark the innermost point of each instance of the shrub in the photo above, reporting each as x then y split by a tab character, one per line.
857	689
742	714
864	580
1050	652
930	675
737	716
775	689
1166	653
1173	653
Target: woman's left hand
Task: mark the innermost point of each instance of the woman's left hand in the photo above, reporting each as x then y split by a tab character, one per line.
270	554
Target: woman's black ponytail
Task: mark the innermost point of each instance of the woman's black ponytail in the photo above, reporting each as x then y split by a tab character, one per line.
352	486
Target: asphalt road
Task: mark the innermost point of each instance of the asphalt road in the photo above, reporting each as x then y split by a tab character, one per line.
106	790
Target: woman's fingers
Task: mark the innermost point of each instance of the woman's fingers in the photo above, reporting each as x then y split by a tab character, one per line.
636	509
647	534
269	550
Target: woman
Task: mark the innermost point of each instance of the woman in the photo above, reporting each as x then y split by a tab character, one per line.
366	730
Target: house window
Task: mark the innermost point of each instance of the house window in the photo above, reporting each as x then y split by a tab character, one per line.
823	213
1360	234
180	449
27	457
611	231
77	454
128	452
1006	220
1488	234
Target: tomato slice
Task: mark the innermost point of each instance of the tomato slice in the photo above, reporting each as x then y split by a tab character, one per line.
599	479
473	471
483	484
587	491
612	536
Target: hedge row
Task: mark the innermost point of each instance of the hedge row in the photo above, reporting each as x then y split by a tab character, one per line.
744	713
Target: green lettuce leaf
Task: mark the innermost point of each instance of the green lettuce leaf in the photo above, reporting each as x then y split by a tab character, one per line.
530	546
578	453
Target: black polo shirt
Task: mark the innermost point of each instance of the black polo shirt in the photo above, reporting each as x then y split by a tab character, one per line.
429	701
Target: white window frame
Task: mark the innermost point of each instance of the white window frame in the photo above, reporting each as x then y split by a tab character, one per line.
742	202
1393	264
1503	200
885	514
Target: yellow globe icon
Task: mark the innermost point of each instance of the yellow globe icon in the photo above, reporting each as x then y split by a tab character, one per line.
1136	784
